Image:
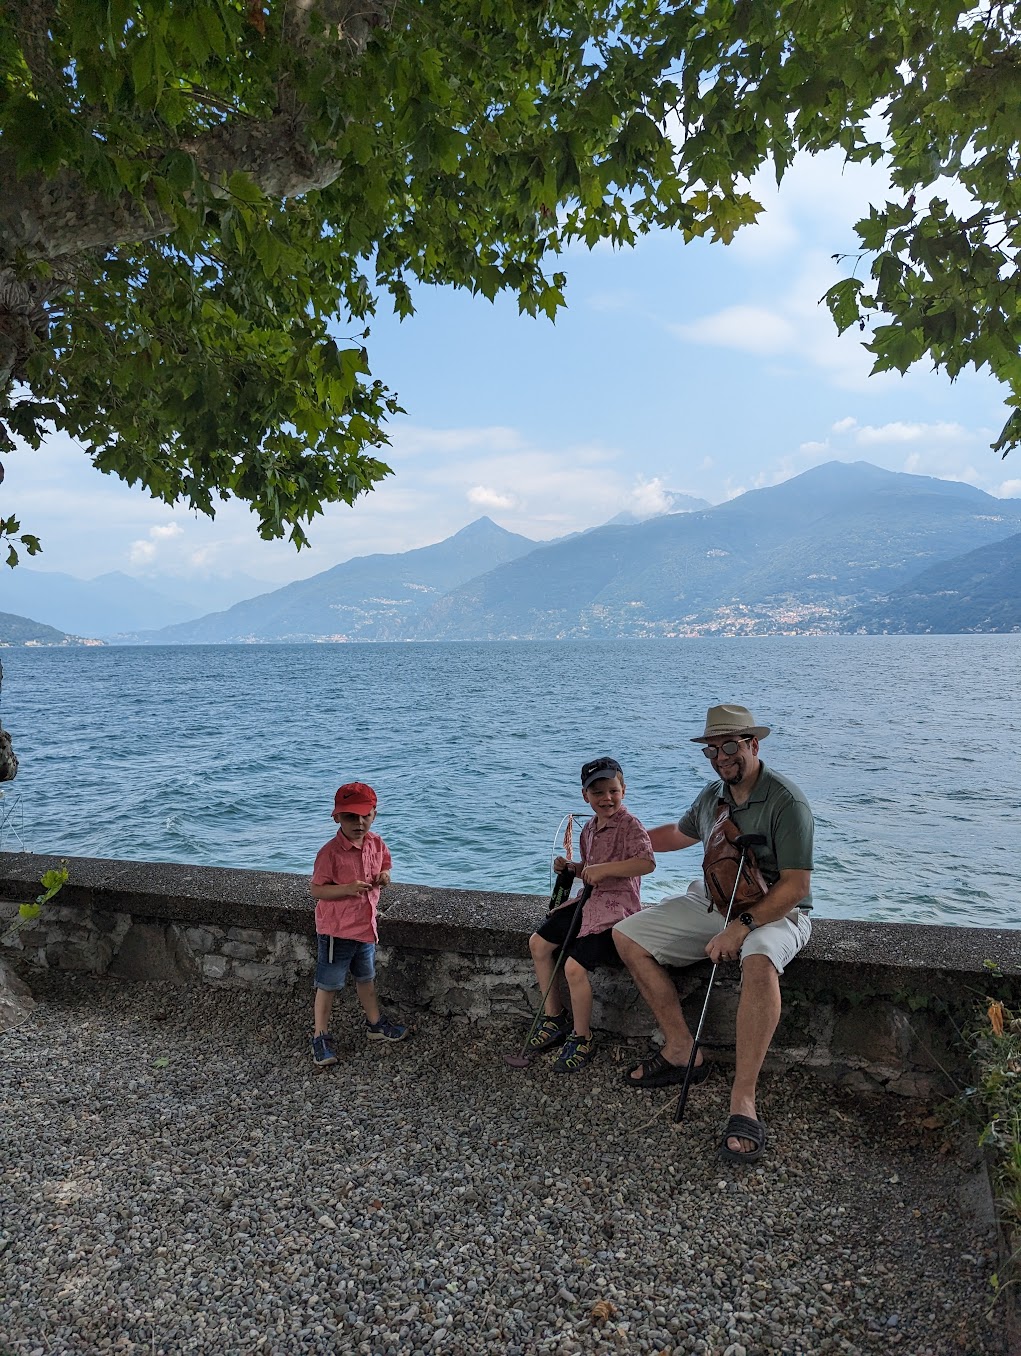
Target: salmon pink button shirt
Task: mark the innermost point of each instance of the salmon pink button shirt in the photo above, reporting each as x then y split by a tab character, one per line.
617	897
340	862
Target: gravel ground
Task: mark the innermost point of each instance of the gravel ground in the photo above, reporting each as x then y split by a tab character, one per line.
176	1177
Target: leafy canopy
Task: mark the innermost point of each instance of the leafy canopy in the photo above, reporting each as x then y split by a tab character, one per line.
200	195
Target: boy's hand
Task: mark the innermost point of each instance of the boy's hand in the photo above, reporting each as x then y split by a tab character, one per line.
592	875
559	863
382	878
358	887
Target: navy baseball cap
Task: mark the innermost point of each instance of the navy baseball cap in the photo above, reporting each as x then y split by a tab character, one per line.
599	768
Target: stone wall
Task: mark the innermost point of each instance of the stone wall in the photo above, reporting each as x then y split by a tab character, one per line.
873	1006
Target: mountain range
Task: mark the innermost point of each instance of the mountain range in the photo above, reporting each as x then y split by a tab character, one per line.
842	547
115	603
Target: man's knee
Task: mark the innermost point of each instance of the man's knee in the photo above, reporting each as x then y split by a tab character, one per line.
759	972
627	948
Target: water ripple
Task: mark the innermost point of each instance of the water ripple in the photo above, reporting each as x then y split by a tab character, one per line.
230	755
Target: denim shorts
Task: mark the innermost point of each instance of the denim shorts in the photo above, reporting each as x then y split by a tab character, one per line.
357	957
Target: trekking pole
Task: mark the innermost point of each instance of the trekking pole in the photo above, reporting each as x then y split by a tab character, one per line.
523	1060
744	841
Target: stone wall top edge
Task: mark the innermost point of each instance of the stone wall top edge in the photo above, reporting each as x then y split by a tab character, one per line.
439	919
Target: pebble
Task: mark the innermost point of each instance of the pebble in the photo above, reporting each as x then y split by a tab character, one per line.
189	1184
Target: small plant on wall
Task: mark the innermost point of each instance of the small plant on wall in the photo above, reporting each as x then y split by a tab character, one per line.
53	882
998	1090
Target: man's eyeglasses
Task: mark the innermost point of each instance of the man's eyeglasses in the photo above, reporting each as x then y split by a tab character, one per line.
729	748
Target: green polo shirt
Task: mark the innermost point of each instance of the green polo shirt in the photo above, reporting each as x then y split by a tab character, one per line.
775	808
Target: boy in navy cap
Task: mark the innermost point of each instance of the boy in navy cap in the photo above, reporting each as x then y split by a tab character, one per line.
349	872
615	854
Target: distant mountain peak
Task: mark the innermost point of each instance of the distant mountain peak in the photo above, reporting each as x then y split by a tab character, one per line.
485	527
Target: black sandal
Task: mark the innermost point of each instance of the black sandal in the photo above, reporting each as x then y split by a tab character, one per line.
743	1127
658	1072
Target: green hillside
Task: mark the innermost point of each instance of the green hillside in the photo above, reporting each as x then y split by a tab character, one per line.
15	630
977	591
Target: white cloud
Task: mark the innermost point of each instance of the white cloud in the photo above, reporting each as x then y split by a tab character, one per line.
902	432
753	329
1010	489
649	497
813	447
795	327
484	497
844	425
143	553
410	440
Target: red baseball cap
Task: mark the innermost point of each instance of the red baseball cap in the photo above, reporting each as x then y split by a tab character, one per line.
354	798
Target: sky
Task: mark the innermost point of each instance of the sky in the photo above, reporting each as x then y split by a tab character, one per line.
702	368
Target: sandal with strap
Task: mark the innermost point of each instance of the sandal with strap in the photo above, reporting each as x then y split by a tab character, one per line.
551	1031
576	1053
658	1072
743	1127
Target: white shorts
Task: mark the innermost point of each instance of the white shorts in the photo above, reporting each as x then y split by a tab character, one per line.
678	930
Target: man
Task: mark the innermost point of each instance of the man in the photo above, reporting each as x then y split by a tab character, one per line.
766	936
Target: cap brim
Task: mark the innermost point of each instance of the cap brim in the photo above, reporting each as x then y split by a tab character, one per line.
360	808
603	776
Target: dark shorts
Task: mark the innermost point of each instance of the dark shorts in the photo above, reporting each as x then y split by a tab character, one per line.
592	951
358	958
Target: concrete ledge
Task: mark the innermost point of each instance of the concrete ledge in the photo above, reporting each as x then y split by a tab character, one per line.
871	1005
468	921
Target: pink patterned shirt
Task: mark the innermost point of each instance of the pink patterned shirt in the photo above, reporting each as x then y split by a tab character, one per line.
621	838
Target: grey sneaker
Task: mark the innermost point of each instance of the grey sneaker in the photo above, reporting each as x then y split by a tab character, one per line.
550	1032
324	1052
384	1029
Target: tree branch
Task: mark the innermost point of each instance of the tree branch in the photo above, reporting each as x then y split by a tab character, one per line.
33	21
48	219
44	218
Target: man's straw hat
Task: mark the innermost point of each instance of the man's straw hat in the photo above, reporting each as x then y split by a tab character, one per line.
729	720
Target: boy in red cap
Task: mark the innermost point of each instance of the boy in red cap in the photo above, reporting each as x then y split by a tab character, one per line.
347	877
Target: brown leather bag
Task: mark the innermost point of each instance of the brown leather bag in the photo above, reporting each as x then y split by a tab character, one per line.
720	863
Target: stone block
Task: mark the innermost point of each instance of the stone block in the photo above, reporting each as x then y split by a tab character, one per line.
110	922
93	956
252	935
201	940
870	1032
720	1030
16	1000
214	967
154	951
243	951
259	976
28	938
288	948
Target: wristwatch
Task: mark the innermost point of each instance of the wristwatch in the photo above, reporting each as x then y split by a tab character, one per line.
748	921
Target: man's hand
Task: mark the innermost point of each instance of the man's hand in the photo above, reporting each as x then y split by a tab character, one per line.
559	863
726	945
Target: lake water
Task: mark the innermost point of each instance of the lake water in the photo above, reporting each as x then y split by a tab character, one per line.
229	755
